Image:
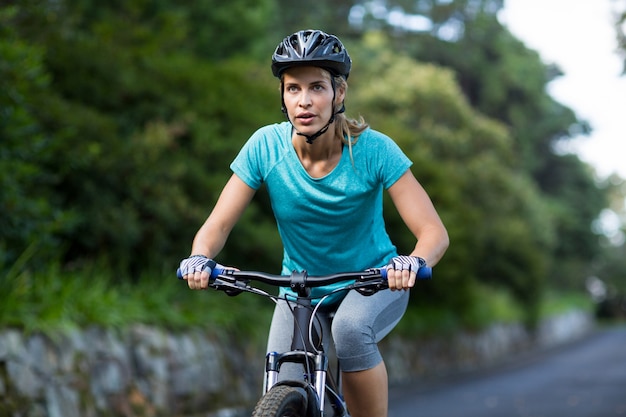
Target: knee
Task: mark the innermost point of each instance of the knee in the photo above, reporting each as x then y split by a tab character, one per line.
351	333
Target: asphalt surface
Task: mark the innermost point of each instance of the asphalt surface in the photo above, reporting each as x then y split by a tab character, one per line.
586	378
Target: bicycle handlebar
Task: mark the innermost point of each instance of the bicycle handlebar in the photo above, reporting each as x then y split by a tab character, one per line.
311	281
302	278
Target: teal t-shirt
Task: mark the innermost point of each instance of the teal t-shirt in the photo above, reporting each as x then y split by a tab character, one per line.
330	224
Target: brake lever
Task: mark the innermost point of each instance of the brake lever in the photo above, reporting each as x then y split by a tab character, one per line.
231	287
368	288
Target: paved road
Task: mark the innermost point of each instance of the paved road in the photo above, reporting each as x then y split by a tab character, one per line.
584	379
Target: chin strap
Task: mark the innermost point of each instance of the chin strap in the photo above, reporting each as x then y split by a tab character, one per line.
311	138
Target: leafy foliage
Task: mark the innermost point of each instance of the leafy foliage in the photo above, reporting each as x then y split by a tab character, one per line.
504	80
59	300
118	122
30	211
497	222
620	26
130	134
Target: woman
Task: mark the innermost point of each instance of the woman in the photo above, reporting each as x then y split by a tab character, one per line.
325	176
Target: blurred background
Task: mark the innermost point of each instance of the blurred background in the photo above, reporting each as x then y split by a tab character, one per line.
119	119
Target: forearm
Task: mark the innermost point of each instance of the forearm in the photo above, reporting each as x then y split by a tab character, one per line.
209	240
420	216
432	244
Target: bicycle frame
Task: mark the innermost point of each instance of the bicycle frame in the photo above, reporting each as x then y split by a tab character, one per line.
314	360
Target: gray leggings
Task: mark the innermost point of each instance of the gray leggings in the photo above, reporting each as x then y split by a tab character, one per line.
359	323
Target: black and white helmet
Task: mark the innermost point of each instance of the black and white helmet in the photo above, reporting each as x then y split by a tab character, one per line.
311	47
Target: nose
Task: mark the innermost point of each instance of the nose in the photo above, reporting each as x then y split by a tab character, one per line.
305	99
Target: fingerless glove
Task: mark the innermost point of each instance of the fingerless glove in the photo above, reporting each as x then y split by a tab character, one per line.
404	262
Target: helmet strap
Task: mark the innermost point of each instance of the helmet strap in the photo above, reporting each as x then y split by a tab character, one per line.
311	138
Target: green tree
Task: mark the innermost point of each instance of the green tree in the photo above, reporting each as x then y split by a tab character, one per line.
328	15
504	80
500	228
119	121
610	266
620	27
128	138
31	213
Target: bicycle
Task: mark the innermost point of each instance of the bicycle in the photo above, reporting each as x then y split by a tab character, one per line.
318	393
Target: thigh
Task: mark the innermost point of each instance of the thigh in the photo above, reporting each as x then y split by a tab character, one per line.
377	314
361	322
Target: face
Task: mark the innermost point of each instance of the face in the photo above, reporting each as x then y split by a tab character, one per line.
308	98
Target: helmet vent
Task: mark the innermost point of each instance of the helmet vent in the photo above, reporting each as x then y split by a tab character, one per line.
311	47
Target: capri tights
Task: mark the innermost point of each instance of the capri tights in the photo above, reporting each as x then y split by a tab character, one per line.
359	323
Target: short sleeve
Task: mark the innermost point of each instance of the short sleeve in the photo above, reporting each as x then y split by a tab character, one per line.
265	148
385	158
246	164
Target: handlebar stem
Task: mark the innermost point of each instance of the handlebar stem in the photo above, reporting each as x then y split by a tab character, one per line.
298	283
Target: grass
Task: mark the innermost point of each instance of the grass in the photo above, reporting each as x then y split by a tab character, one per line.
560	302
57	299
490	305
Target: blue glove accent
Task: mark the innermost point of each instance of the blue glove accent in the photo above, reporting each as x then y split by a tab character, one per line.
196	263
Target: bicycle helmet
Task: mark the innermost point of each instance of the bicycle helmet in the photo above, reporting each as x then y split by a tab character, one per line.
311	47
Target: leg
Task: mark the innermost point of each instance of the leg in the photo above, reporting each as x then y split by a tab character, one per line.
359	324
366	392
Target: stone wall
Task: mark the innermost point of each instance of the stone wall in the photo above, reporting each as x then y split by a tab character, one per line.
149	372
419	359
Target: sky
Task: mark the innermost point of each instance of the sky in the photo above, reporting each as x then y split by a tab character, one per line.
579	37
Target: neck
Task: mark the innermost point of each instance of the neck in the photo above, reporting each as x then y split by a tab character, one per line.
326	146
319	158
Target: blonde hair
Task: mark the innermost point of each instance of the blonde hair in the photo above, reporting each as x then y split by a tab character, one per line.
346	128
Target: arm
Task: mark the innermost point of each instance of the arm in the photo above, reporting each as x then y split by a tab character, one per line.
420	216
211	237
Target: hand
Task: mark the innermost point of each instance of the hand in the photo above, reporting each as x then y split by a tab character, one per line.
402	271
196	270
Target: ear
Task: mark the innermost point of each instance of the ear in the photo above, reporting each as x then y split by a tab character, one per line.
340	95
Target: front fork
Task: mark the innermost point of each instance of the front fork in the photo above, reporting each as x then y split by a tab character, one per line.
318	361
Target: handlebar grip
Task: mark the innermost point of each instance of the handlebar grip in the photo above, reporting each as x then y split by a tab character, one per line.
424	272
215	272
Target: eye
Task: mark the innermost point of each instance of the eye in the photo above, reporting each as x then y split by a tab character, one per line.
318	87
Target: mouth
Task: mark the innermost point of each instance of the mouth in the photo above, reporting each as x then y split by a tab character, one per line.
305	118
